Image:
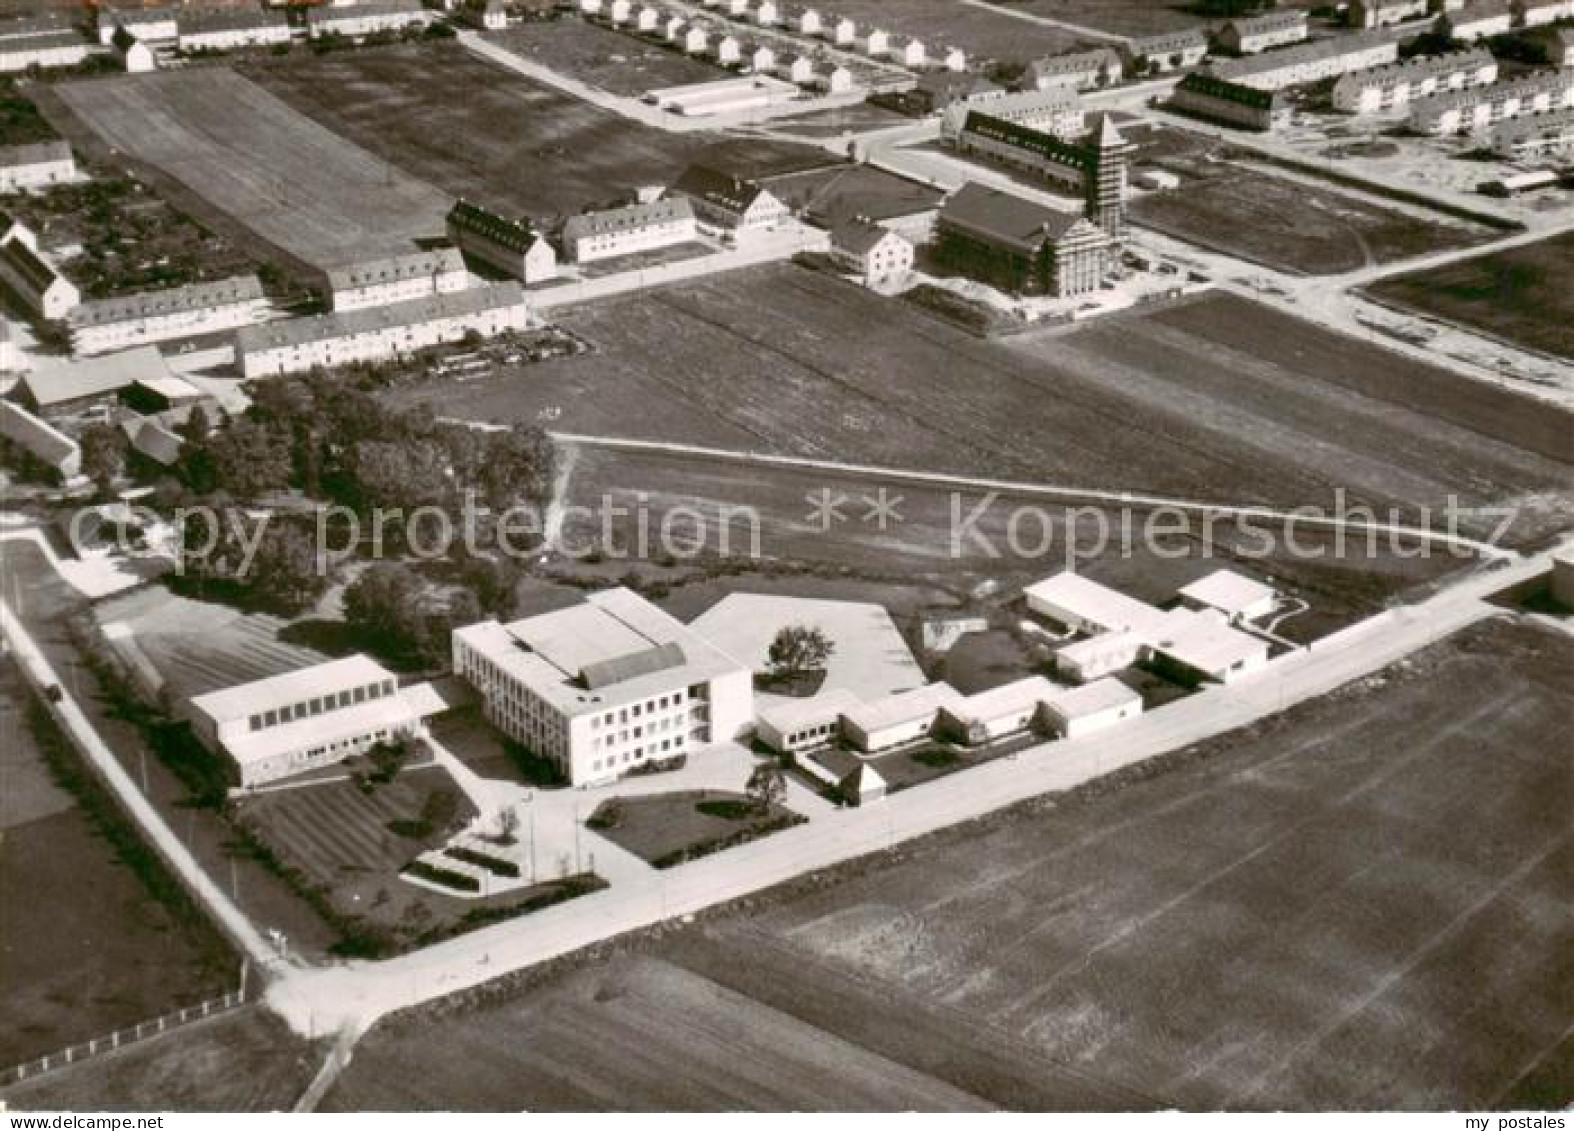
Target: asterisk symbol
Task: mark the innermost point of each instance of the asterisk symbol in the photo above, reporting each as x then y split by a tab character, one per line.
825	508
884	508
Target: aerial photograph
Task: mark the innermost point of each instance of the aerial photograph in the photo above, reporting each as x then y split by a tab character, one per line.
902	556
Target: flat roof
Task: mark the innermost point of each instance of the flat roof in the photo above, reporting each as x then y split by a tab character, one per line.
1204	640
1092	698
904	707
1091	601
347	722
1227	591
1008	699
795	714
246	699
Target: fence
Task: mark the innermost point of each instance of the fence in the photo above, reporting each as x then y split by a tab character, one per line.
123	1038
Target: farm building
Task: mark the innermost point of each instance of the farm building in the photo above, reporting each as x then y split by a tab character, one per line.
997	713
1056	110
33	279
625	231
287	724
1081	70
1384	13
1160	54
1259	33
1540	13
358	20
1020	246
154	394
729	203
1233	594
35	165
1312	62
1094	165
605	686
153	441
397	278
1478	21
1478	108
90	387
379	333
226	29
1079	711
1232	103
1549	133
64	48
874	253
1396	85
513	247
803	724
154	23
26	438
102	325
896	720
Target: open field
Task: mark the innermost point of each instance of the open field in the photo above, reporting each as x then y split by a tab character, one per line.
609	60
482	132
95	935
1524	295
228	142
1287	223
979	32
243	1061
1361	903
1118	17
1214	398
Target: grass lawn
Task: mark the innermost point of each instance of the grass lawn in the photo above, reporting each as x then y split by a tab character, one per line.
666	829
598	56
1524	295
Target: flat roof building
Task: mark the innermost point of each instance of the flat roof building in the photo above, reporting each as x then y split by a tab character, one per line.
1234	594
896	720
1078	711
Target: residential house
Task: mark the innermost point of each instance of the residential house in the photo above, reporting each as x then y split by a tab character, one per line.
34	279
874	253
728	202
1396	85
1258	33
1313	62
230	29
1160	54
396	278
617	232
1082	70
1384	13
1478	21
1231	103
356	21
118	323
514	247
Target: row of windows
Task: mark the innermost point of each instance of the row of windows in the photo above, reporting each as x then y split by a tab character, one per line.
634	711
307	708
343	747
638	754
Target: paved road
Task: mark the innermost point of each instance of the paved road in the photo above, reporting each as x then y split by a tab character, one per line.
355	996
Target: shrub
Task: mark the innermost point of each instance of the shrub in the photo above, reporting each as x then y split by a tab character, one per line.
496	865
459	881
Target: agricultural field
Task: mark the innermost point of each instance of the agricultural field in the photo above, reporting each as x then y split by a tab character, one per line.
1212	398
981	33
1524	295
1359	903
248	1060
1225	204
483	133
1117	17
96	936
600	57
244	157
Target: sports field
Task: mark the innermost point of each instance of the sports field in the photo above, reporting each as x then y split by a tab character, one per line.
475	130
1362	903
1524	295
252	159
1214	398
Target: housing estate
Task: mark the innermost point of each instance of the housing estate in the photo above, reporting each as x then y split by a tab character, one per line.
287	724
1021	246
1478	20
1312	62
1259	33
395	278
102	325
624	231
359	20
379	333
1160	54
514	247
1082	70
227	29
1549	133
1232	103
1479	107
35	165
1395	86
606	686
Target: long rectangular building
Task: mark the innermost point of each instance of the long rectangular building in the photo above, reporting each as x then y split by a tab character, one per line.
34	279
378	333
102	325
396	278
1396	85
1232	103
514	247
1481	107
1056	110
1021	246
35	165
625	231
1313	62
1535	136
605	687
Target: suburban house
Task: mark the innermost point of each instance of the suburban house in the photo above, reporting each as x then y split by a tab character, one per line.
1395	86
840	30
1160	54
605	687
729	203
379	333
33	279
226	29
35	165
1231	103
1259	33
514	247
907	51
1082	70
625	231
27	438
874	253
1020	246
106	324
396	278
287	724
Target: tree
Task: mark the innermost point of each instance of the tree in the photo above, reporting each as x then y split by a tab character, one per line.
767	787
401	473
384	605
284	576
103	455
798	649
250	459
